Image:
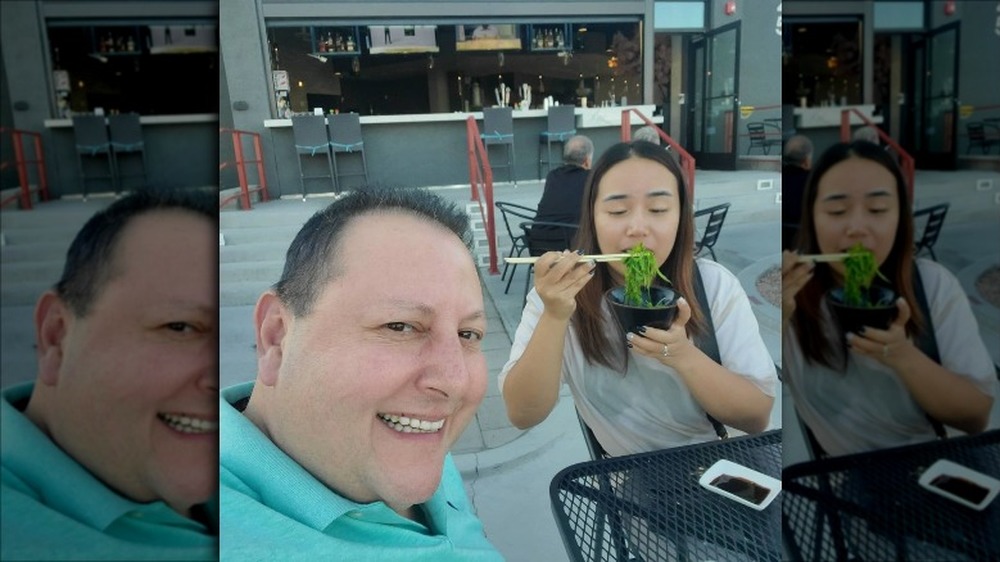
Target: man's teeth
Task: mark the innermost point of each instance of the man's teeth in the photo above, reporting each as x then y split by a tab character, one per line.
188	424
405	424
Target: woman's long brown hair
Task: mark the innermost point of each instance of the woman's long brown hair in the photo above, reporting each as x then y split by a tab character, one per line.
898	266
589	317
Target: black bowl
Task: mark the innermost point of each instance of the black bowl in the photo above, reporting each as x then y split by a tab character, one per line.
659	316
852	318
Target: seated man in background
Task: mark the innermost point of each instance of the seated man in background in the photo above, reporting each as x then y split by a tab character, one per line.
370	366
563	191
647	133
112	453
796	162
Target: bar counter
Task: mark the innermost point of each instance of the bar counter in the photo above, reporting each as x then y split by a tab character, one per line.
181	151
428	150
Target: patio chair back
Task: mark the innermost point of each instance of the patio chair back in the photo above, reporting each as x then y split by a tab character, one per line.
932	229
716	218
517	240
546	236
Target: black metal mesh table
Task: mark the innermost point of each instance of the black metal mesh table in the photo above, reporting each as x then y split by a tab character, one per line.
870	506
650	506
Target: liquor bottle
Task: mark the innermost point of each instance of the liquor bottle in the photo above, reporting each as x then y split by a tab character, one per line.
559	39
350	43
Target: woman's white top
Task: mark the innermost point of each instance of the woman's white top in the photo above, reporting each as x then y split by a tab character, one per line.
867	407
650	408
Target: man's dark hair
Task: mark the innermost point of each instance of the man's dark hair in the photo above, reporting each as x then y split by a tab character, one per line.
310	262
89	258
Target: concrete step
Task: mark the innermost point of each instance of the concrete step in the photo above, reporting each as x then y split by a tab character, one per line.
33	273
241	293
261	251
256	271
34	252
51	229
20	294
254	234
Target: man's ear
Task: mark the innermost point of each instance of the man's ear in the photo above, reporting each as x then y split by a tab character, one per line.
271	318
52	320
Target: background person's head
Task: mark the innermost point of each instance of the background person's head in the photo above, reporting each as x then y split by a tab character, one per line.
369	359
866	133
857	194
579	151
798	151
646	133
128	349
636	193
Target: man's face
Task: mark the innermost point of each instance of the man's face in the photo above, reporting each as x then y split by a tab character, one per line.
136	395
378	381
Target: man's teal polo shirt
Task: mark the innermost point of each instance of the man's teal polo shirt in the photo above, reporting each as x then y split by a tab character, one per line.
54	509
273	509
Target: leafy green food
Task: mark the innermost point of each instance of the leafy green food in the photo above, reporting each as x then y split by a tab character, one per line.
640	270
860	269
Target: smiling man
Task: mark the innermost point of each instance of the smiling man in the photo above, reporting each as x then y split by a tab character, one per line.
369	369
111	453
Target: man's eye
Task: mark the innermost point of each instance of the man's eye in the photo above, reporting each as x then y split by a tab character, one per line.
474	335
179	327
399	327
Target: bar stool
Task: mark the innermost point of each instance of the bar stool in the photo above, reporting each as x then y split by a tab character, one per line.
90	132
498	128
345	136
126	138
311	140
560	126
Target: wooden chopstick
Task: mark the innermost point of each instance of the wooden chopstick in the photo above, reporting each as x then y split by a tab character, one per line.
595	257
821	257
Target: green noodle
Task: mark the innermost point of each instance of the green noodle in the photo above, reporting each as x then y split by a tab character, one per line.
640	269
860	269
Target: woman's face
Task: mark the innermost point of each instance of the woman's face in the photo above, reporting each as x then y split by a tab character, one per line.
856	201
637	201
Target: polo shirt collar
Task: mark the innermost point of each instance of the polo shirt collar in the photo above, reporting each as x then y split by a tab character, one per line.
260	464
75	492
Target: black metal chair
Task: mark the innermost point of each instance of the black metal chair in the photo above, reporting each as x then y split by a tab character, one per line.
311	140
345	136
716	217
593	445
932	228
545	236
90	134
517	241
126	139
977	137
759	138
498	128
560	126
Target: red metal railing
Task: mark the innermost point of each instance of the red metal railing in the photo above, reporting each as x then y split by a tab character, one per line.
240	163
906	162
21	162
480	174
686	160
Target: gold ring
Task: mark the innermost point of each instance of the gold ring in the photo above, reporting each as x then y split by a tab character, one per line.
666	351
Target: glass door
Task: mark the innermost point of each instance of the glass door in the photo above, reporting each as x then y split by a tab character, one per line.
714	101
935	92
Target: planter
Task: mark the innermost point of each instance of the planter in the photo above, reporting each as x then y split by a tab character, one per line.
852	318
659	316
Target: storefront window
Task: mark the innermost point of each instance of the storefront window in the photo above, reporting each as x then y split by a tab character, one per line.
448	67
148	68
822	64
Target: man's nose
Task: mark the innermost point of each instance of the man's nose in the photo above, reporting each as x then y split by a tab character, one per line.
446	366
